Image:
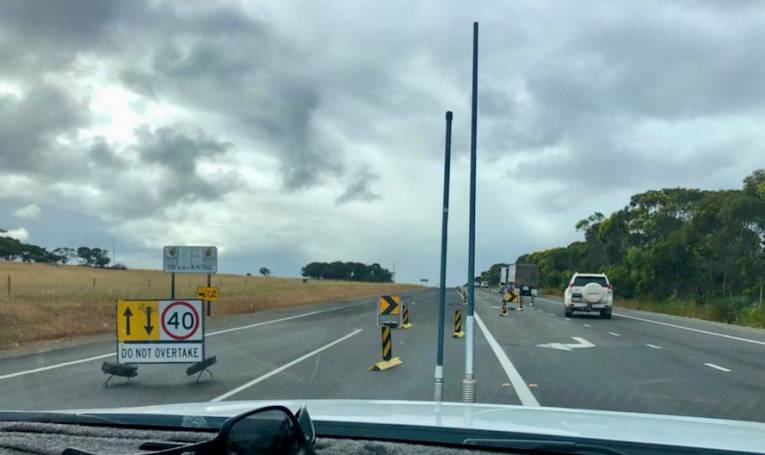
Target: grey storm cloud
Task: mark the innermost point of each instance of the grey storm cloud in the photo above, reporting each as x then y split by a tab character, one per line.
29	125
178	152
359	188
307	90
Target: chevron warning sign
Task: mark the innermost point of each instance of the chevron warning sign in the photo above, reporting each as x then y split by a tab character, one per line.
389	304
389	311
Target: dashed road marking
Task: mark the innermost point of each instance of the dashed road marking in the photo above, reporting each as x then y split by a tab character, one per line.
705	332
568	319
283	367
587	325
615	334
717	367
653	346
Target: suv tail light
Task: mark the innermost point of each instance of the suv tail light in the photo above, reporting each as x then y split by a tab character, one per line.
570	285
610	287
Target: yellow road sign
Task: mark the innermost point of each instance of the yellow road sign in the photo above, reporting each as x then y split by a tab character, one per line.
389	304
208	293
137	320
509	296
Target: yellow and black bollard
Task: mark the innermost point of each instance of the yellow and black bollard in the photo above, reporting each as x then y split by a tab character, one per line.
458	333
388	360
405	324
532	299
503	311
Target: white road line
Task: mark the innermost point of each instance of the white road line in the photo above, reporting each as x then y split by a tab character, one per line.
615	334
58	365
568	319
283	367
587	325
521	389
653	346
717	367
706	332
219	332
274	321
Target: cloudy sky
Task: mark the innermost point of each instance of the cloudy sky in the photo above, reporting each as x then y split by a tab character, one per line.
288	132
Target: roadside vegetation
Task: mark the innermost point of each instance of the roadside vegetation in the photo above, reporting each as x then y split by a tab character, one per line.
351	271
680	251
48	302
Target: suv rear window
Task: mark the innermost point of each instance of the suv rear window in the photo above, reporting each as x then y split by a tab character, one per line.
583	280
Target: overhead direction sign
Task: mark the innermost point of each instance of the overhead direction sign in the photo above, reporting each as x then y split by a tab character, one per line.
160	331
208	293
389	311
190	259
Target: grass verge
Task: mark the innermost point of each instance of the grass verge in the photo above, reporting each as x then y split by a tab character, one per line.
48	302
741	311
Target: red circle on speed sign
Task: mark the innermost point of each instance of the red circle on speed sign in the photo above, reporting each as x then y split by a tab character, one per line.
187	332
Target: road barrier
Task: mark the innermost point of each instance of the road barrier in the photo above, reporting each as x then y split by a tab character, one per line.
388	361
405	324
458	333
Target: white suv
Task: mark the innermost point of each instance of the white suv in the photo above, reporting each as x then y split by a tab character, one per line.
589	292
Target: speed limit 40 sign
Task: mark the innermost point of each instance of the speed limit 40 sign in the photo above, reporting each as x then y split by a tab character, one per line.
160	331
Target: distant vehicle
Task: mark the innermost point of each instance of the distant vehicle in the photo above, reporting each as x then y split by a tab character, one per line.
523	276
485	284
118	266
589	292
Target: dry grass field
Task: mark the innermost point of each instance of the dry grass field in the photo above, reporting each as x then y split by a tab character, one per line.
49	302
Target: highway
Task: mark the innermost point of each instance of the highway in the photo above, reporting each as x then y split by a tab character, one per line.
637	361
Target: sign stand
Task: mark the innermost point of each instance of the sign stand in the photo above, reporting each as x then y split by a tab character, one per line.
388	317
167	331
209	302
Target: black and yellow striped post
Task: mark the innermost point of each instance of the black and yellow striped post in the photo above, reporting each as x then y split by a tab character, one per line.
458	333
387	343
406	324
503	311
388	361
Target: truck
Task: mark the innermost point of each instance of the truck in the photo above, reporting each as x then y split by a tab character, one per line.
523	276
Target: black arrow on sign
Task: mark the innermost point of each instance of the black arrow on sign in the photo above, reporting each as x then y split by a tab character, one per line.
148	327
127	315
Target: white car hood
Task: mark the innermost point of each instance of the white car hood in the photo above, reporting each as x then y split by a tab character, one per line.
580	423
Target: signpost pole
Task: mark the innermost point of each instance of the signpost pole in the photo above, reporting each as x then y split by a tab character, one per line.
469	381
172	286
438	376
209	302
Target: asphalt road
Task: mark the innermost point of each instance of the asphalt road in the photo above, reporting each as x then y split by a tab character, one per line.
637	361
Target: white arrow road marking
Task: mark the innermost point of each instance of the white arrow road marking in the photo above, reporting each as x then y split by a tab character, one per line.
580	343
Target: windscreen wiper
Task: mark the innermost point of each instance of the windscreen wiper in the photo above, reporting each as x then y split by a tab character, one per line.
542	446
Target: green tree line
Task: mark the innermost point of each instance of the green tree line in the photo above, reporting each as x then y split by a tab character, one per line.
12	249
351	271
674	243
